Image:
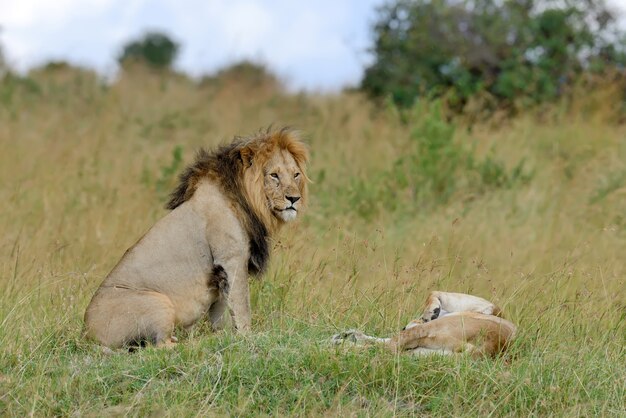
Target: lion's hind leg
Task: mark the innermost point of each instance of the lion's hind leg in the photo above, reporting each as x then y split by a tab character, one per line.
119	317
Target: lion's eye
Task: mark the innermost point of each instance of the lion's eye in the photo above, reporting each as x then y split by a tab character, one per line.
274	176
295	176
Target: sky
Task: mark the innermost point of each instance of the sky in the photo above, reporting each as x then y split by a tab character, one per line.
311	44
319	44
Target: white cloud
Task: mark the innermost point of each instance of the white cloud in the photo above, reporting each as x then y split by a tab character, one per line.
313	44
247	25
30	13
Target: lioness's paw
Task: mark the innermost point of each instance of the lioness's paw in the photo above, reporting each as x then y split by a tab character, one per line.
431	314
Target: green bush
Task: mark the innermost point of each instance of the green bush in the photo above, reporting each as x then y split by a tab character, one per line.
518	51
154	48
165	181
13	86
432	170
429	170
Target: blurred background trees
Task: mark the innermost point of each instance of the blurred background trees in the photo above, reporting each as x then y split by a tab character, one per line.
478	56
244	77
153	48
514	52
3	64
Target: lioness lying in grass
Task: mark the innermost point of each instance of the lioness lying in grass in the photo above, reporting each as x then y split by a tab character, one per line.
451	323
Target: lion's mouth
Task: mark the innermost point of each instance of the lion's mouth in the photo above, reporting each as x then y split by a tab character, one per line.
293	208
287	214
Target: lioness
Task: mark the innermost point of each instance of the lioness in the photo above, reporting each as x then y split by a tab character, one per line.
451	323
195	261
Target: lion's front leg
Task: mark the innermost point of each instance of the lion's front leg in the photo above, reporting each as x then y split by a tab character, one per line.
238	297
219	281
229	248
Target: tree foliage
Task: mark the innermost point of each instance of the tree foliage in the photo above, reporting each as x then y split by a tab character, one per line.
153	48
528	50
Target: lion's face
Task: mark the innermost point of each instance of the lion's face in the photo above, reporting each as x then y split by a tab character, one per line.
283	183
274	176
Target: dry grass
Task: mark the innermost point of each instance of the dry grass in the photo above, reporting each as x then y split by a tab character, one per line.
84	170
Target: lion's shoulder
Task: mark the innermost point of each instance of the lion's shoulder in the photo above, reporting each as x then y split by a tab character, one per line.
217	164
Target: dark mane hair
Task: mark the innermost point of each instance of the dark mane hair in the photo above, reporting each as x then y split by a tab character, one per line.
224	166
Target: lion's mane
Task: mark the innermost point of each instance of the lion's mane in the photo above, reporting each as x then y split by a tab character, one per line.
238	169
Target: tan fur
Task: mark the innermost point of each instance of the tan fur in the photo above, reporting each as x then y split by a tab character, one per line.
194	261
451	323
476	333
456	302
280	154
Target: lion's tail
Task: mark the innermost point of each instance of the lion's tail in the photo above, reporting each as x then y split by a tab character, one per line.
219	279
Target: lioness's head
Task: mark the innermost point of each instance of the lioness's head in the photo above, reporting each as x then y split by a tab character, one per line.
274	174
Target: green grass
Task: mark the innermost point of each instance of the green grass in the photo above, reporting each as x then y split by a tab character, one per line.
84	171
562	363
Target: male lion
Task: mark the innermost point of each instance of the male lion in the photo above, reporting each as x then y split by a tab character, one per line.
451	323
195	261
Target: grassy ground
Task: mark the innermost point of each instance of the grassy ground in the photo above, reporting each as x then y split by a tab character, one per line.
84	171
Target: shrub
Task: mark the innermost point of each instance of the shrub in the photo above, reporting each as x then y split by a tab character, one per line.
243	77
434	167
154	48
519	51
164	182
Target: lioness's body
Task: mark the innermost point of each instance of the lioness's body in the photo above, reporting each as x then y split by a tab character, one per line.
476	333
450	323
441	303
195	261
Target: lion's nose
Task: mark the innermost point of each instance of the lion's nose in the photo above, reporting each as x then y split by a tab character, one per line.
292	199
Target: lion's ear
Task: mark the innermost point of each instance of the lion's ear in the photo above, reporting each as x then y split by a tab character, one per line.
246	154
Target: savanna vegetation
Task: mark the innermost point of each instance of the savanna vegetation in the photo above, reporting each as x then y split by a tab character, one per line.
507	55
528	211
